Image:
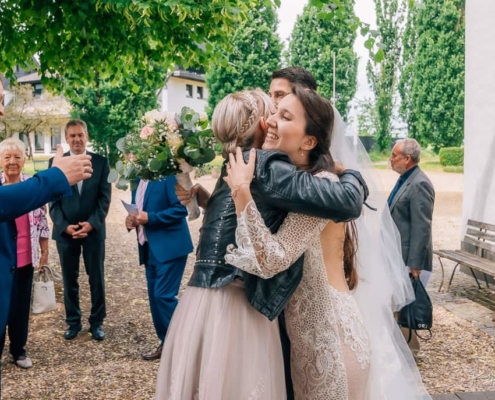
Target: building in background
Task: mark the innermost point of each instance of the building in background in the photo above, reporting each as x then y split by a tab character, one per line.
184	88
38	118
479	135
35	116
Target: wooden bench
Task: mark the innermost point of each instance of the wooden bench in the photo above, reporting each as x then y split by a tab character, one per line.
477	252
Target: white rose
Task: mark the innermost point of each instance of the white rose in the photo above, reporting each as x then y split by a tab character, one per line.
174	141
154	115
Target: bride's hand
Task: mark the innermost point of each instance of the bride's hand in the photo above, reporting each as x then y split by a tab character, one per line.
240	173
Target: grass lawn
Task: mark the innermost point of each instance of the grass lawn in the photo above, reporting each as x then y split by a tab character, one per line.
29	166
217	162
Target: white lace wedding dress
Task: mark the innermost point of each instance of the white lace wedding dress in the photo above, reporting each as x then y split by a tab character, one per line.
330	348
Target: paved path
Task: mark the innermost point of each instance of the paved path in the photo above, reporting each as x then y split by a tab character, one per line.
466	396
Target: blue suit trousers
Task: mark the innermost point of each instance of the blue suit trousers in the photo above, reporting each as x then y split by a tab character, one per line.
163	286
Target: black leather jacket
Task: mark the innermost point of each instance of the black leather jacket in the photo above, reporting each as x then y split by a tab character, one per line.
278	187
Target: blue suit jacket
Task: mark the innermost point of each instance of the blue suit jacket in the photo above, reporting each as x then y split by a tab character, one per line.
17	200
166	231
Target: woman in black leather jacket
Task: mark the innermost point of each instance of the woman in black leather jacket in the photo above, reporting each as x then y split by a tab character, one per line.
224	337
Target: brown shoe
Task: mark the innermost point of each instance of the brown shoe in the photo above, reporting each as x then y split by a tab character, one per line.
153	354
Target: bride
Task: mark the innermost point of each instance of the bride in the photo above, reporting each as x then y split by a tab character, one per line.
345	343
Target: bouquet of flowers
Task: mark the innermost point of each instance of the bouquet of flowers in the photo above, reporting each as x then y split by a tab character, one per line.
165	144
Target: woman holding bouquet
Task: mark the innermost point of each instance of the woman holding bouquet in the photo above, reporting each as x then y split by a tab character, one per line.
223	341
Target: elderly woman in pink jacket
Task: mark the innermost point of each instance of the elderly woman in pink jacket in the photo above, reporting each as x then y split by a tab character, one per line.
32	251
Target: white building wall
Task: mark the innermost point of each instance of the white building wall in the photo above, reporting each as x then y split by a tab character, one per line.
174	95
479	142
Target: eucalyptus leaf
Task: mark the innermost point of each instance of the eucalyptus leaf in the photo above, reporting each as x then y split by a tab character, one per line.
155	165
192	153
192	141
122	184
120	145
113	176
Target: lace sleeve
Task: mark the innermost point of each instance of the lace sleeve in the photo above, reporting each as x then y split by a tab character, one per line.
264	254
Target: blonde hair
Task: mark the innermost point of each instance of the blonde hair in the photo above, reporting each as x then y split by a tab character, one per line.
236	119
13	144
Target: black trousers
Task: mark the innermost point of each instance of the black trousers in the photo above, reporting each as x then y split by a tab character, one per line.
284	339
93	256
20	303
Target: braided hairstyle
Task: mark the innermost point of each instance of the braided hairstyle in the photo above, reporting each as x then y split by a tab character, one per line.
236	119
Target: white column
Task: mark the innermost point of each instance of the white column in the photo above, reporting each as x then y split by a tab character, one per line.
47	144
479	136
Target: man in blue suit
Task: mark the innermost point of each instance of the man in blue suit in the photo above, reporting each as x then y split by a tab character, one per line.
164	243
20	198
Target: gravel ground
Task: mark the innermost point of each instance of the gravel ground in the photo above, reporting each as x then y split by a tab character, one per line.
460	357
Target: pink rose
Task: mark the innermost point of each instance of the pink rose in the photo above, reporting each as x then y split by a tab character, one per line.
146	132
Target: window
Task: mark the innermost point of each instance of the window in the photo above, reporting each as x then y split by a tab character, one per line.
38	90
24	138
200	92
39	141
189	91
56	137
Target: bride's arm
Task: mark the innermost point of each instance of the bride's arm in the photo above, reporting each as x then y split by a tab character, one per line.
260	252
264	254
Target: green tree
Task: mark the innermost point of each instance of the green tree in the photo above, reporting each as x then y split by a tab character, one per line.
255	55
383	76
409	44
78	39
313	41
432	89
367	118
111	111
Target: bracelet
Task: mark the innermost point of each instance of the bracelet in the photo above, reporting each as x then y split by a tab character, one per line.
237	188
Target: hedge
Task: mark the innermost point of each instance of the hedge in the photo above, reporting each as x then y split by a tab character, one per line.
452	156
454	169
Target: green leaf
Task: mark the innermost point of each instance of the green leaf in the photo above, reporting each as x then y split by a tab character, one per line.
191	140
375	33
120	144
379	56
369	43
155	165
119	166
113	176
122	184
191	152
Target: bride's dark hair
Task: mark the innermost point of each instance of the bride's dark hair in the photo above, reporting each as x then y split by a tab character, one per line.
319	124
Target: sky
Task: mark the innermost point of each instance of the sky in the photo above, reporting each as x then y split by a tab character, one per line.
364	9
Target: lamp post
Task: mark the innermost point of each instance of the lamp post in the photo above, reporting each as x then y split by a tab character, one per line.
333	80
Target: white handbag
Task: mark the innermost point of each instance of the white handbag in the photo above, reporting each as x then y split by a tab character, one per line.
44	290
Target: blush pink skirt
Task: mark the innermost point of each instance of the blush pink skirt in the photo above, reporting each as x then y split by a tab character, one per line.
218	347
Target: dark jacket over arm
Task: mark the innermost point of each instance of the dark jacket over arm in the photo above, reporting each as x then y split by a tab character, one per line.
284	187
277	189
